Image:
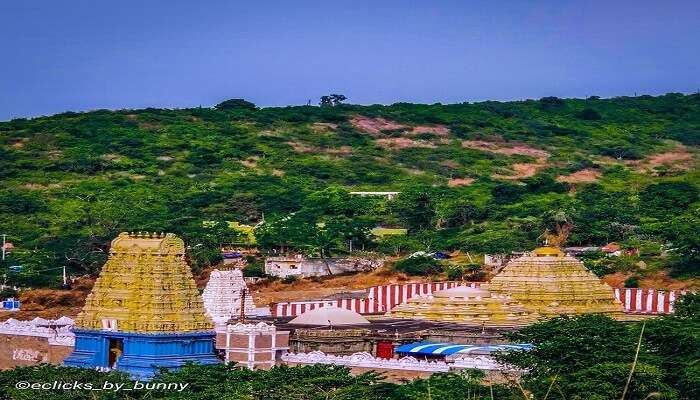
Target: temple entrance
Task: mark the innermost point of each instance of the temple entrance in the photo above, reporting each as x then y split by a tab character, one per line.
116	347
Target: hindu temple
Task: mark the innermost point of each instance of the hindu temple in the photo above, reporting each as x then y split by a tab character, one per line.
551	283
226	296
467	306
144	311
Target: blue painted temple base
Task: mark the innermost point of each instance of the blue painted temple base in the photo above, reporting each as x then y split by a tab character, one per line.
140	354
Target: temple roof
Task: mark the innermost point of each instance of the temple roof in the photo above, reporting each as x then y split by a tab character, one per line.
329	316
468	306
462	292
145	286
551	283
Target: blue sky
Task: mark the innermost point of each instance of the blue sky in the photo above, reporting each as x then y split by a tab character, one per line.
82	55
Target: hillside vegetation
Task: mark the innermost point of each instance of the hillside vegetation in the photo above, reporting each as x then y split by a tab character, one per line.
480	177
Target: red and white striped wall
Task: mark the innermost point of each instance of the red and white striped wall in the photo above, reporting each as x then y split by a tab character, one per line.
381	299
647	301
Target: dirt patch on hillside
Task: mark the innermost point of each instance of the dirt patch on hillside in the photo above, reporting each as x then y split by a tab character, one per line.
323	126
656	280
520	170
309	289
403	143
460	182
19	143
40	186
438	130
250	162
679	159
587	175
302	148
52	303
506	148
375	126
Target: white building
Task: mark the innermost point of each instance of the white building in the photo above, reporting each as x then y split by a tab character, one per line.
304	267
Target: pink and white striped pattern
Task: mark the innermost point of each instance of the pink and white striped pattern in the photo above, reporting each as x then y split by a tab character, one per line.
647	301
381	299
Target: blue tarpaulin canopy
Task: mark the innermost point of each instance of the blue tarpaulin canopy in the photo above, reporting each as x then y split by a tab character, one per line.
445	349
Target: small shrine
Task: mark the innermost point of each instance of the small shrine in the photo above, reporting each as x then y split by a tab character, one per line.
551	283
144	311
226	296
467	306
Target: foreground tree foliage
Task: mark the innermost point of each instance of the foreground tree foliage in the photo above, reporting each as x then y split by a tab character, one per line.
318	382
590	357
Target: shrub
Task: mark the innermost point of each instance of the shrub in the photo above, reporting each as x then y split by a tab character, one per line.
589	114
632	282
454	273
254	267
418	265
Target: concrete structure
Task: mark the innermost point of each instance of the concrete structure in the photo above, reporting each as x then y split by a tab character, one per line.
256	346
366	360
406	367
144	311
388	195
226	296
24	343
304	267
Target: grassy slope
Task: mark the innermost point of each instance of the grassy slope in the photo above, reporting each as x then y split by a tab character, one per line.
73	178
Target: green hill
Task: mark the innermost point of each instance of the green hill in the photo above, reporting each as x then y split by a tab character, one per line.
482	177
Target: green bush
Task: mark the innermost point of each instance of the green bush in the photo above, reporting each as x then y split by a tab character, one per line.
418	265
632	282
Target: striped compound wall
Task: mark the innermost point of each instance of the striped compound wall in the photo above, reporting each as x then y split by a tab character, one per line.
381	299
648	301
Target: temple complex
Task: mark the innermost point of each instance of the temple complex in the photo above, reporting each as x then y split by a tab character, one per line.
144	311
551	283
226	296
468	306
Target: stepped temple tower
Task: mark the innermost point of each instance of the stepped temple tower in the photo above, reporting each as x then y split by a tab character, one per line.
467	306
226	296
550	283
144	311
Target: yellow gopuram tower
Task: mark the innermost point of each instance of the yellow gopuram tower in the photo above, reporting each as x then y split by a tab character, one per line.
551	283
145	286
144	311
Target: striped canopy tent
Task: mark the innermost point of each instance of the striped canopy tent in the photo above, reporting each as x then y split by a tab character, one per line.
446	349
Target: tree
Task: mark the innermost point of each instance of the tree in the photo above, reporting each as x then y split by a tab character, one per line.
567	345
332	100
667	199
415	208
418	265
607	380
589	114
682	232
235	104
